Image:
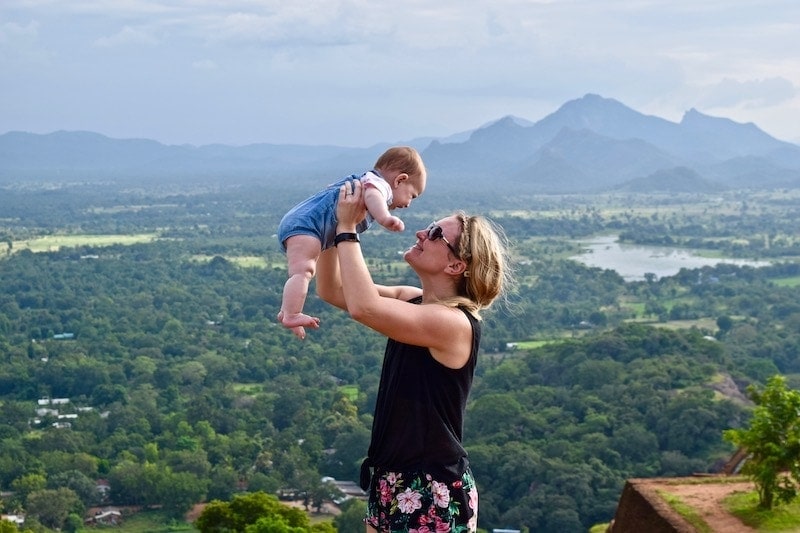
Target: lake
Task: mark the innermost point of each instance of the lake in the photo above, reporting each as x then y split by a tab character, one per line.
632	261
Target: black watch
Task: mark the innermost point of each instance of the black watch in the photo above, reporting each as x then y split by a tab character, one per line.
346	237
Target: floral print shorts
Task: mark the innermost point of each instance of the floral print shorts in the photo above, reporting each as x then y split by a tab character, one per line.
414	502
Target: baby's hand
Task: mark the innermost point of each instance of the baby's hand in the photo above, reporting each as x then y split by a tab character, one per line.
393	223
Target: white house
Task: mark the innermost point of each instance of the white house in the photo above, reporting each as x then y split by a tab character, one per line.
15	518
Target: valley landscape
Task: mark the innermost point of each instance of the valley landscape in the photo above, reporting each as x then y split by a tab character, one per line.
141	281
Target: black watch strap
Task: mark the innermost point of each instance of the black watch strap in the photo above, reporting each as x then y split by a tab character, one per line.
346	237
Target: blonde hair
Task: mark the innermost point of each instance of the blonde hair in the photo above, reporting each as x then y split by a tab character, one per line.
483	245
402	159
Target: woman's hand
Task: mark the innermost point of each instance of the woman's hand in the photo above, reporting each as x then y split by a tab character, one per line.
350	210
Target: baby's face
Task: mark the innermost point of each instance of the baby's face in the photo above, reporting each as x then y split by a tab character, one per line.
405	192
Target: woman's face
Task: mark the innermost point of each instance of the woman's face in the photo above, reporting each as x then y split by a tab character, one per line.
435	246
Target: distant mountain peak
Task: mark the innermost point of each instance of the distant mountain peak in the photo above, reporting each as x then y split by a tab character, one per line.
693	115
726	131
590	143
593	101
509	120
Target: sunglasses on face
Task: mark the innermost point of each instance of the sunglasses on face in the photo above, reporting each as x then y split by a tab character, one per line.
435	233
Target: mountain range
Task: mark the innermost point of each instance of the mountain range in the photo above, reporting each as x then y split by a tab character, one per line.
588	145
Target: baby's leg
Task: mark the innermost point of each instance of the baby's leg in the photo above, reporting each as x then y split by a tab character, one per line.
302	252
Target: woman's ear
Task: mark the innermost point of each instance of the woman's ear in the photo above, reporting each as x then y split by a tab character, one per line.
456	267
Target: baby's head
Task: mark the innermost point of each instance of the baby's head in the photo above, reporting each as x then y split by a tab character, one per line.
403	169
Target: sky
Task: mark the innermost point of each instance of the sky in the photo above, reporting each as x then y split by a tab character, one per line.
361	72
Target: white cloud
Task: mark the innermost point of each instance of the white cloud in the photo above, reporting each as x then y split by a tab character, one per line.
290	24
127	36
20	48
10	32
247	70
205	64
750	93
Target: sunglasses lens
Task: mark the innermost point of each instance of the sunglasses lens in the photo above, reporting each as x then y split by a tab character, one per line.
434	233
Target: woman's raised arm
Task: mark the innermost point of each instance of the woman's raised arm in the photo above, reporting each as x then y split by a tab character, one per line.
329	279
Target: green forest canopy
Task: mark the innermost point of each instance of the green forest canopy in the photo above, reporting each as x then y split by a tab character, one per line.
185	388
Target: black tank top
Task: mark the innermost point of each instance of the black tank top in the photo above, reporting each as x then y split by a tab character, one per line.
419	412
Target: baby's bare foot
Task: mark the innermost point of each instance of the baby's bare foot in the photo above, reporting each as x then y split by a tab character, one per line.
297	322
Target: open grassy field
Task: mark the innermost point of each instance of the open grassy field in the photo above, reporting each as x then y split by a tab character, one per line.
782	518
149	522
244	261
787	282
52	243
533	344
703	324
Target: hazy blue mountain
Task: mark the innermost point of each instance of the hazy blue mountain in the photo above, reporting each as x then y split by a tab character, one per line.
748	170
609	118
588	144
697	137
671	180
605	161
551	174
594	143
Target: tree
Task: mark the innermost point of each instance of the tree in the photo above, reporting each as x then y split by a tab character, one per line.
180	491
85	488
246	510
28	484
73	523
222	482
352	516
322	492
724	323
136	484
350	448
52	507
773	440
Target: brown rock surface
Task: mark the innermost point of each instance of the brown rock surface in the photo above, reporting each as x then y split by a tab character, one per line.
642	509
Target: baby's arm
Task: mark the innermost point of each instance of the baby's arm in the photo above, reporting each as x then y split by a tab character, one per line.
376	205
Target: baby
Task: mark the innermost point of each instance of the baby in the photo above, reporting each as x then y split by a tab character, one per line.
310	227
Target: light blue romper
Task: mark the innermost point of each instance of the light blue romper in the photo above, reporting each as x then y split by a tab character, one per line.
316	216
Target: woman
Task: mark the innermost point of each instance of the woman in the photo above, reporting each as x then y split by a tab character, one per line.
417	469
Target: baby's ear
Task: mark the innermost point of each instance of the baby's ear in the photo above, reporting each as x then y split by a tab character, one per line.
400	178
